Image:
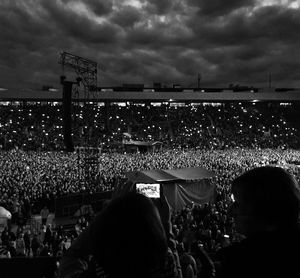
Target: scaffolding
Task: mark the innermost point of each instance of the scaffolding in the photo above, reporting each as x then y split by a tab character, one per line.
86	71
84	68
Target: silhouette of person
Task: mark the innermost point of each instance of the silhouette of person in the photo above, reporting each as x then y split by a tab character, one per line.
126	239
266	211
44	215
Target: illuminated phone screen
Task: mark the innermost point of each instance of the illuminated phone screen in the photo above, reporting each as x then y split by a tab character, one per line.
151	190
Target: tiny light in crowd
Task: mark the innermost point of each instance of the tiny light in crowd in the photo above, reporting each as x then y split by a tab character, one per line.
232	197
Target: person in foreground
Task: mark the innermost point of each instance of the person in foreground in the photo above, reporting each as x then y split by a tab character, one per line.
266	211
126	239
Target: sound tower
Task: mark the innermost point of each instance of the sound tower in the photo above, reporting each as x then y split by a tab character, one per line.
67	119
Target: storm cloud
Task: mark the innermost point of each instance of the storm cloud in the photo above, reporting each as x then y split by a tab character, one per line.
138	41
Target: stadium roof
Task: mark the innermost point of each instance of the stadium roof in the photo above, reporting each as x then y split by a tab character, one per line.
173	95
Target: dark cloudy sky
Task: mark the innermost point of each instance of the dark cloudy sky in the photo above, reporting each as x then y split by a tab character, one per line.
138	41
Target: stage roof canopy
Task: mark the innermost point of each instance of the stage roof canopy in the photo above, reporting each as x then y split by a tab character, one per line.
165	176
192	173
141	143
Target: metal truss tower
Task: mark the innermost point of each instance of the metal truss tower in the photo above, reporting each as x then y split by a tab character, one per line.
86	71
84	68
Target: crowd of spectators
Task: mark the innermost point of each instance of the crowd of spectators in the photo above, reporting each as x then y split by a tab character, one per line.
227	139
43	243
31	180
217	126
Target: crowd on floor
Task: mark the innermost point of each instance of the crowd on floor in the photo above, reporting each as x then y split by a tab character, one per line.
32	180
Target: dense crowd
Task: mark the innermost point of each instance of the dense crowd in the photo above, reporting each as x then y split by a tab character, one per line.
227	139
31	180
218	126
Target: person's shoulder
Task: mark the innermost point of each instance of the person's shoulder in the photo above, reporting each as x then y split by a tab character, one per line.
263	255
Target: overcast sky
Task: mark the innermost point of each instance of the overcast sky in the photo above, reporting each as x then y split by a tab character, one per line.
167	41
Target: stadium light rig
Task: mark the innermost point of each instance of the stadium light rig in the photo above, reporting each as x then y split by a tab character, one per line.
85	69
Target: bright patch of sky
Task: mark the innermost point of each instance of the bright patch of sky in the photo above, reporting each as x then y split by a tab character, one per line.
78	8
81	9
293	4
134	3
31	7
162	18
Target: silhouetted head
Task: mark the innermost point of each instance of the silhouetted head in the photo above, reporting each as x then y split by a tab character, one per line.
265	198
129	237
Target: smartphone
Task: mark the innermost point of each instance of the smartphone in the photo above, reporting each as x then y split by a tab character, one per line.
150	190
